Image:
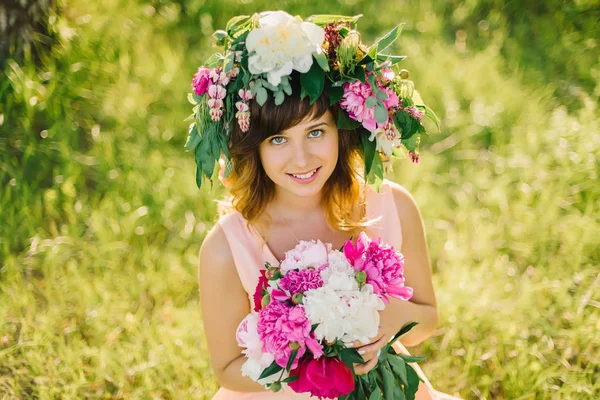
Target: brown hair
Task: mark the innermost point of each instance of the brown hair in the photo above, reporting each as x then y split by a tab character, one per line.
251	188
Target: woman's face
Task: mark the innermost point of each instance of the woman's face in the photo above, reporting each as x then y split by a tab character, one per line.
301	159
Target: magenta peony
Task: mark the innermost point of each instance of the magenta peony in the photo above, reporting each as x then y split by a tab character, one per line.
201	81
325	378
301	281
280	325
263	282
383	265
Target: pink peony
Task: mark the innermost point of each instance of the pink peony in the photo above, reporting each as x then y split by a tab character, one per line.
306	254
201	81
383	265
280	325
326	378
301	281
355	97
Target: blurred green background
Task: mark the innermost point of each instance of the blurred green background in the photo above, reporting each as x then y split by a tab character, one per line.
101	221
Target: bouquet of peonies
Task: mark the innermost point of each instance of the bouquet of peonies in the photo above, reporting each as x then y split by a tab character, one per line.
310	308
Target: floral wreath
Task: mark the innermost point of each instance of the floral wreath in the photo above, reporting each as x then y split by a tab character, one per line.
262	50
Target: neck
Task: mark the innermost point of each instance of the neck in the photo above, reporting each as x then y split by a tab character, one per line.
296	207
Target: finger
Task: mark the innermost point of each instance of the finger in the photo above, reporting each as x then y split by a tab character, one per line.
373	347
361	369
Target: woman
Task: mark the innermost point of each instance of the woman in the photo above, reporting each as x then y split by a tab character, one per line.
296	176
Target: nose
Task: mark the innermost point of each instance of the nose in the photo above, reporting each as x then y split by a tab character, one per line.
301	155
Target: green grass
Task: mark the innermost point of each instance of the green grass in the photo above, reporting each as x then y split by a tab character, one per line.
102	222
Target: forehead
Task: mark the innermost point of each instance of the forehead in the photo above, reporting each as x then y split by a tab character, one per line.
311	120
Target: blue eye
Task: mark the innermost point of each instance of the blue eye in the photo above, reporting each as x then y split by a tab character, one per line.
276	140
319	131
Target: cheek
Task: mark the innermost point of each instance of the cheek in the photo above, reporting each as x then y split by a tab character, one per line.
272	160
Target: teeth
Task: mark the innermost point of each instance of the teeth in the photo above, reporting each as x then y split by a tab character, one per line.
305	176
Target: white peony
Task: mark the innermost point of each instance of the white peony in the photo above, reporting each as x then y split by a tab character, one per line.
347	315
282	43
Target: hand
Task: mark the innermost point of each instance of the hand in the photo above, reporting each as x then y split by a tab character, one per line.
370	352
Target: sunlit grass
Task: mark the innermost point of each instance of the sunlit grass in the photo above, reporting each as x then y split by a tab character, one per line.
102	222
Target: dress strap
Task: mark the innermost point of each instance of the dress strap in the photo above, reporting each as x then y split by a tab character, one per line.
383	205
246	251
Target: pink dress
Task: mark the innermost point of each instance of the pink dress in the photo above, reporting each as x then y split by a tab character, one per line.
250	255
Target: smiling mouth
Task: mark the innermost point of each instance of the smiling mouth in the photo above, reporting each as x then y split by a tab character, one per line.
305	175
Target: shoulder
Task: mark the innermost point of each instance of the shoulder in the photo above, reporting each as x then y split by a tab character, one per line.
407	207
215	252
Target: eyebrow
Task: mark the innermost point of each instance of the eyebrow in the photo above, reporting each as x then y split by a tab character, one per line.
315	125
308	128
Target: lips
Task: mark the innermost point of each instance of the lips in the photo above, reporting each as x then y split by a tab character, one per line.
306	178
303	173
307	174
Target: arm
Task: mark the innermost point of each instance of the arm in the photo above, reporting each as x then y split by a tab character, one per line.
422	307
224	305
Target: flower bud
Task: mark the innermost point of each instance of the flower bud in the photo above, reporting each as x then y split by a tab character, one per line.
404	74
294	345
265	300
275	386
297	298
361	276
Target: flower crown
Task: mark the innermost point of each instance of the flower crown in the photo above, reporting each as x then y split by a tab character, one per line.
262	50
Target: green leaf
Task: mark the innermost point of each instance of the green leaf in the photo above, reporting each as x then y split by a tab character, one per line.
412	359
430	115
370	56
261	96
399	367
198	176
279	97
269	86
381	114
214	60
412	143
410	390
287	88
371	101
290	378
375	395
381	95
335	93
324	19
404	330
303	93
345	122
270	370
359	73
235	22
398	393
322	60
375	176
360	391
369	151
388	381
351	355
388	57
313	327
407	125
313	82
291	360
193	139
191	99
219	37
389	38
